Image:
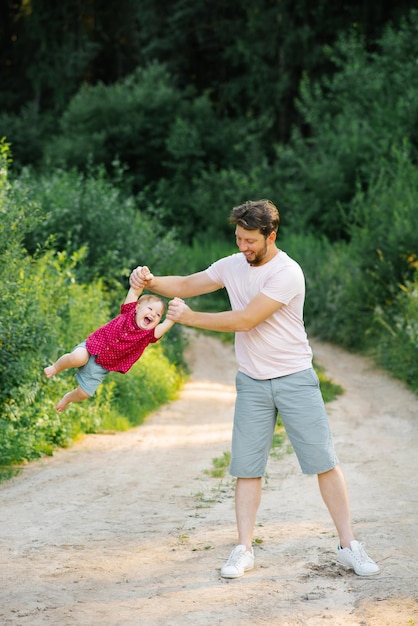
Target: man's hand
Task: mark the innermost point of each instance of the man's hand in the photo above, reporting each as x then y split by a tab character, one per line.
178	311
140	277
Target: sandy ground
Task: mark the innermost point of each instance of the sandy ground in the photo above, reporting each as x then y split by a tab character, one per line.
128	529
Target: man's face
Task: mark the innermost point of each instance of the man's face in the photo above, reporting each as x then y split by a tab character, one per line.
256	248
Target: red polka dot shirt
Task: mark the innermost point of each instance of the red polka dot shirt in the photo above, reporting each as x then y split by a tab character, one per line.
120	343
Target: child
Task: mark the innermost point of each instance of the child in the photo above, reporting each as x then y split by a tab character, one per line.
114	347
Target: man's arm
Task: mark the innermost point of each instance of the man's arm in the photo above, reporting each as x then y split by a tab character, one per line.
171	286
258	310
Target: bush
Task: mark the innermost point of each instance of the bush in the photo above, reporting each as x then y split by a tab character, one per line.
383	234
202	212
357	289
151	382
129	120
35	330
393	339
353	120
156	130
26	132
29	425
44	312
171	143
89	211
329	278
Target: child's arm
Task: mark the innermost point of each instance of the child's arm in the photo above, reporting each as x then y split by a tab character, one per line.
162	328
165	326
133	294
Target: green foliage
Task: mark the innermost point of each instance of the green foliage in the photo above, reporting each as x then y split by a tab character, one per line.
174	344
29	425
175	150
355	118
329	389
249	56
362	294
31	338
383	235
151	382
83	309
44	312
205	250
193	143
220	465
194	140
91	212
25	130
332	279
129	120
16	321
202	212
393	339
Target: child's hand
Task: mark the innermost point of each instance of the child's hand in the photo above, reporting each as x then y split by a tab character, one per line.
178	311
147	274
140	277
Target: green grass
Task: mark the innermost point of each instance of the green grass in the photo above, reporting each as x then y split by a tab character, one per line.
220	465
329	389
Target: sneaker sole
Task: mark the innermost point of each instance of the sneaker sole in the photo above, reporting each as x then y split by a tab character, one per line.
232	576
349	566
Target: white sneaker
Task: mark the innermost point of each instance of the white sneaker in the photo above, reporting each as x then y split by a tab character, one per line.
357	558
240	561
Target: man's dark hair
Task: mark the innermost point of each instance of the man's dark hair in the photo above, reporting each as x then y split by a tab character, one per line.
260	215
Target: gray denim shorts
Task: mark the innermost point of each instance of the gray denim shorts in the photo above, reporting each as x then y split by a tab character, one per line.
298	399
90	375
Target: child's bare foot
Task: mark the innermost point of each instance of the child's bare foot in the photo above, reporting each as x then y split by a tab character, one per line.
63	403
50	371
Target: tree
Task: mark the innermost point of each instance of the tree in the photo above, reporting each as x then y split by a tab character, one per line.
354	120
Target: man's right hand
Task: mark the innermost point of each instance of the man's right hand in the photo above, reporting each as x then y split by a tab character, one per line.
140	277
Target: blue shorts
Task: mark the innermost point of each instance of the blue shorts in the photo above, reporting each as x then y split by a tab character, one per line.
90	375
298	399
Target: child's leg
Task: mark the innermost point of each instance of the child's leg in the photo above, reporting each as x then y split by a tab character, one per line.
77	358
77	395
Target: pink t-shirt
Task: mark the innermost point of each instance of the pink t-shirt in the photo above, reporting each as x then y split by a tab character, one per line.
278	346
119	344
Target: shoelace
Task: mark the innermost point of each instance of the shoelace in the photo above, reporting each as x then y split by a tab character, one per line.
361	554
235	557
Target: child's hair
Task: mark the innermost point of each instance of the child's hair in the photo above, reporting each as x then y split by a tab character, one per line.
153	297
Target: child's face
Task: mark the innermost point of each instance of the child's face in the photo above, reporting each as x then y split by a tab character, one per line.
148	314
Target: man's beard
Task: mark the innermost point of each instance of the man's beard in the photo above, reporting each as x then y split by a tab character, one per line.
259	257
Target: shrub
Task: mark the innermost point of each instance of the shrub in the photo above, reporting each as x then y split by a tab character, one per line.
199	205
35	329
151	382
129	119
26	132
353	120
90	212
393	339
44	312
357	289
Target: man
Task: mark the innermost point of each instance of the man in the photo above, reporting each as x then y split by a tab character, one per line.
266	289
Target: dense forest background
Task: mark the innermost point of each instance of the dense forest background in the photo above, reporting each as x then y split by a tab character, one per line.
131	129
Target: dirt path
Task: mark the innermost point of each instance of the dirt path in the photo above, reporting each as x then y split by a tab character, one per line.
128	530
